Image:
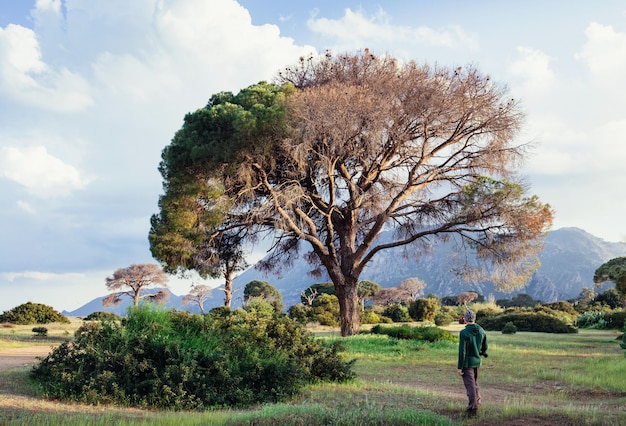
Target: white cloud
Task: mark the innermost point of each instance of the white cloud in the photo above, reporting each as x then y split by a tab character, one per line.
42	174
533	66
605	51
356	29
27	79
38	276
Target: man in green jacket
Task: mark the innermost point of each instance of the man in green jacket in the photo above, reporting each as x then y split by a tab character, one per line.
472	344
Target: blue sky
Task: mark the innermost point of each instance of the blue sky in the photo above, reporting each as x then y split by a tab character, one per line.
92	90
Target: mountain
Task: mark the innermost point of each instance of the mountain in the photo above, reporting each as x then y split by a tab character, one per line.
95	305
568	261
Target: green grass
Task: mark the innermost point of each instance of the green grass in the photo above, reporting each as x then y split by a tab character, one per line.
539	378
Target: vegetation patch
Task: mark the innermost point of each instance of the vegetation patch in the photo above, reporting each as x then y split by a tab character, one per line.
33	313
527	321
172	359
429	334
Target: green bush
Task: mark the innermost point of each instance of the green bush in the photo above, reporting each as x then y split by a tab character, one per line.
170	359
591	319
615	320
443	319
299	313
397	313
102	316
562	306
325	310
430	334
424	309
526	320
33	313
40	331
509	328
369	317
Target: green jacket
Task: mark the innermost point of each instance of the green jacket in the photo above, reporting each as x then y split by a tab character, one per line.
472	343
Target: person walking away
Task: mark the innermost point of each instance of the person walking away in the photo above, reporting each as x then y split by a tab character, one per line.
472	344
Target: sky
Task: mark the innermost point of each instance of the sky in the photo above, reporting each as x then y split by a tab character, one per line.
91	91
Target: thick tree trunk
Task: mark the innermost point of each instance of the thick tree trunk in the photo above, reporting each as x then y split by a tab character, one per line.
348	307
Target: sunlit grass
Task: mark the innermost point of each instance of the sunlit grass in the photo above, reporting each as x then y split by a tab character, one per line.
546	378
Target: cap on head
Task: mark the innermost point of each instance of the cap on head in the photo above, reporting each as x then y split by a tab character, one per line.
470	316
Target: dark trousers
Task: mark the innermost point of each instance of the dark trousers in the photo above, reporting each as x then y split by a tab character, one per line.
470	380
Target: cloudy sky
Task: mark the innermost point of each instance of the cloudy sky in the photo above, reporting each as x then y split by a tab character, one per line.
92	90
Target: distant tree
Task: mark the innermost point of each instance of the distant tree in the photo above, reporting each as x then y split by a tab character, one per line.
307	296
411	289
262	290
449	301
367	290
611	298
613	270
197	296
346	146
466	298
387	296
136	278
521	300
317	289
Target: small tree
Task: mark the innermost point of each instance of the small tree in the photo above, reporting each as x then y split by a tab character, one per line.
197	296
411	289
466	298
263	290
134	279
613	270
367	290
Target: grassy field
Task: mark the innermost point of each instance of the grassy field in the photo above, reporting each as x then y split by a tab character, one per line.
528	379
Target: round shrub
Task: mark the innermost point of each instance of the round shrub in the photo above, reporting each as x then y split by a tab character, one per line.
178	360
325	309
40	331
397	313
424	309
443	319
299	313
369	317
102	316
33	313
509	328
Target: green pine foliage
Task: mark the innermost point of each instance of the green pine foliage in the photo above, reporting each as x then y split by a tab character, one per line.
177	360
33	313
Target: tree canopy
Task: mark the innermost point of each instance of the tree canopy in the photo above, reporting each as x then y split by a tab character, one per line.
344	147
132	280
613	270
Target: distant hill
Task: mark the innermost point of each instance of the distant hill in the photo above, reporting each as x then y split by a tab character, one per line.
95	305
568	262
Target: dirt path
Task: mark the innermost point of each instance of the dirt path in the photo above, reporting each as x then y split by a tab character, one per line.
21	357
